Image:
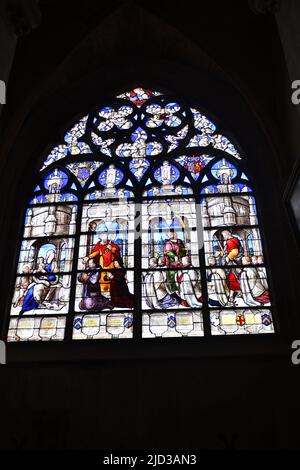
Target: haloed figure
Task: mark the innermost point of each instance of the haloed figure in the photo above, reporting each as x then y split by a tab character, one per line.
44	286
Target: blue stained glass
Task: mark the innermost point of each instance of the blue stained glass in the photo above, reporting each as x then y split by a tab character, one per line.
125	110
71	137
57	153
121	193
128	321
106	110
218	141
153	148
221	142
249	242
234	188
124	193
65	197
153	108
103	144
173	121
266	319
174	140
78	323
167	173
90	197
127	150
173	107
200	140
224	170
41	199
83	170
139	149
244	187
124	125
72	145
163	115
111	177
176	190
76	131
45	249
253	205
56	180
83	174
171	321
194	164
202	123
79	148
139	134
138	96
139	166
112	117
169	238
175	225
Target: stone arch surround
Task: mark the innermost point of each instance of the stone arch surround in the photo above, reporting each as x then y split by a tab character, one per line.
170	62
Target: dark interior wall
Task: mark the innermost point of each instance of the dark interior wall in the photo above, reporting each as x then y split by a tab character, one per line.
175	404
245	46
288	18
132	399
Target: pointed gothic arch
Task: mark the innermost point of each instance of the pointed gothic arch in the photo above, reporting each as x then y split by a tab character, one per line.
149	153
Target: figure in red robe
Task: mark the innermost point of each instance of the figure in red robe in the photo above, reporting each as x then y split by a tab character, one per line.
105	252
232	255
233	282
232	247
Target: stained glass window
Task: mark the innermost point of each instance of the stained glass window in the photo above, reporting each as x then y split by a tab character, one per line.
143	223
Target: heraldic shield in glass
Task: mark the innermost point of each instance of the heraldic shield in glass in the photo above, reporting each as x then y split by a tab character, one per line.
143	223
